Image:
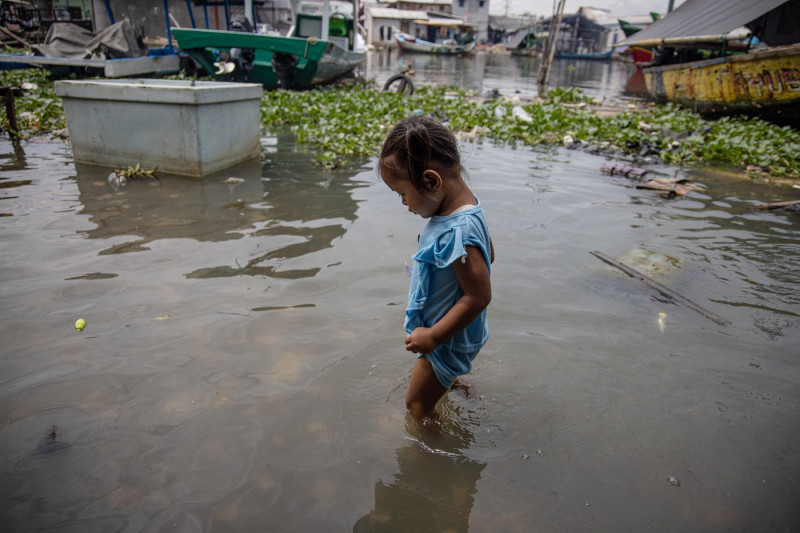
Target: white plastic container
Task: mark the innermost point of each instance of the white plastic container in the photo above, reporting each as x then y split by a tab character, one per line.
191	128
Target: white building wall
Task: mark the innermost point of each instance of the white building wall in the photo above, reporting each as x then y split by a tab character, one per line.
475	12
382	24
381	31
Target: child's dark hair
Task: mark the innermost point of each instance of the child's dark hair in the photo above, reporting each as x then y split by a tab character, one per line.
419	143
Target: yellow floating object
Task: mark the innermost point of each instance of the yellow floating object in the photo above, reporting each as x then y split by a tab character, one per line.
80	324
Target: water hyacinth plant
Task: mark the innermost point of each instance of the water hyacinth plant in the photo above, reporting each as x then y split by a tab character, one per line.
39	110
349	121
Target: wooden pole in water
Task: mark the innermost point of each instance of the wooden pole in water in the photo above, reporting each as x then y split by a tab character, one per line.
552	40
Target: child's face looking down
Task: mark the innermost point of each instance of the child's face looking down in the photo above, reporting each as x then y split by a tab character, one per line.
424	205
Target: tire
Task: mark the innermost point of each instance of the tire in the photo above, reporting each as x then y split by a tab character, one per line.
405	86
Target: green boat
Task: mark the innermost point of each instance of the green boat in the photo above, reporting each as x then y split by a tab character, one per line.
300	60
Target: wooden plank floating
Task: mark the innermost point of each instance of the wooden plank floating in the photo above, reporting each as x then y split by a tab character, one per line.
669	293
777	205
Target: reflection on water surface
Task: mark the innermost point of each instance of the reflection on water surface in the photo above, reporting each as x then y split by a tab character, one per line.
298	212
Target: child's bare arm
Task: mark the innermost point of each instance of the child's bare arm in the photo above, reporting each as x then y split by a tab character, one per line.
473	275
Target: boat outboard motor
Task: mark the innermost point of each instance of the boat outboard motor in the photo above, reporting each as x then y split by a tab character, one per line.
283	65
242	57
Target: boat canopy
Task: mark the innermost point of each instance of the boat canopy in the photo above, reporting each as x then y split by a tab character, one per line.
702	20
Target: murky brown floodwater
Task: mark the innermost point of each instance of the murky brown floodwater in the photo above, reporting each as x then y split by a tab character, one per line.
243	366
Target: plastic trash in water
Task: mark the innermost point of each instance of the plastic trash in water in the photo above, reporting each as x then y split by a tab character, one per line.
499	111
116	181
520	113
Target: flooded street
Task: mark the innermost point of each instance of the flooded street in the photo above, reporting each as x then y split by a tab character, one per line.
242	367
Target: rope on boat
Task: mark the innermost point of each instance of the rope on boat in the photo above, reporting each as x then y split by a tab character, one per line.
312	41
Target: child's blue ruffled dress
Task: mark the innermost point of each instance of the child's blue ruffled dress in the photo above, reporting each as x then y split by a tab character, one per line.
435	288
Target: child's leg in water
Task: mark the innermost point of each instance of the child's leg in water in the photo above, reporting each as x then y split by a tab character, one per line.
424	390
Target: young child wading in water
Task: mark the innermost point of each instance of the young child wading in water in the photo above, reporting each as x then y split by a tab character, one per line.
450	285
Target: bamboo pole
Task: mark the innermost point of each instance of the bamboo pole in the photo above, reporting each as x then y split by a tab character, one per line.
15	37
552	41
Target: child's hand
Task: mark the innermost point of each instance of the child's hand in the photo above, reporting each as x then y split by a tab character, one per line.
421	341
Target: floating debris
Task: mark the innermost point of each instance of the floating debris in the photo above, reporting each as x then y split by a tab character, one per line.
51	442
648	262
662	321
519	113
675	482
116	181
232	183
136	172
624	170
673	186
665	291
474	133
789	205
119	178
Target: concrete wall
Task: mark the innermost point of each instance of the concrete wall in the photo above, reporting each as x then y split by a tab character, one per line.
473	12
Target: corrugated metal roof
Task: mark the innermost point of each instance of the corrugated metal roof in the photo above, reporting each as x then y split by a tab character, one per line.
703	18
442	22
393	13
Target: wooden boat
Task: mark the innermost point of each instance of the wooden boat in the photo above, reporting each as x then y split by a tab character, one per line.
705	60
301	60
630	27
588	55
443	36
409	43
641	55
764	82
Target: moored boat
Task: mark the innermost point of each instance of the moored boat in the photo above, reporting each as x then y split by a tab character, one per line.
409	43
764	83
706	58
639	55
307	57
442	36
587	55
